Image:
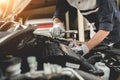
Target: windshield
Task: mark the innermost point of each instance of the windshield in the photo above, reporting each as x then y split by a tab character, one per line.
10	8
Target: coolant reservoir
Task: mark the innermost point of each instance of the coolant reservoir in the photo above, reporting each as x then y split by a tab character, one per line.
32	63
102	66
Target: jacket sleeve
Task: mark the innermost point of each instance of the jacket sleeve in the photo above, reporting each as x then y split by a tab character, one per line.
105	15
61	8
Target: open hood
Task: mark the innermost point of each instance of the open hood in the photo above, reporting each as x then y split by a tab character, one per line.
10	8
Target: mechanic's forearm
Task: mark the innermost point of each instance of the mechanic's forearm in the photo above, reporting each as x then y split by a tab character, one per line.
57	20
97	38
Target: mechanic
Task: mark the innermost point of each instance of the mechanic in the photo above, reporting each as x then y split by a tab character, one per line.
103	13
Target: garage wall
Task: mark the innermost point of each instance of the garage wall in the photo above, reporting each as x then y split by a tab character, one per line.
38	9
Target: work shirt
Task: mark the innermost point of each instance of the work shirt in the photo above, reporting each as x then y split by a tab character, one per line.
104	13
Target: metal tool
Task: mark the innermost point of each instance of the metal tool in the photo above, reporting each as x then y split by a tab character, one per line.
74	36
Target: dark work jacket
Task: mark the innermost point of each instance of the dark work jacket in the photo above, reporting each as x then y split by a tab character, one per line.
107	17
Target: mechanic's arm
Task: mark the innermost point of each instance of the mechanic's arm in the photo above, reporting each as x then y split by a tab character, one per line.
93	42
105	16
97	38
62	7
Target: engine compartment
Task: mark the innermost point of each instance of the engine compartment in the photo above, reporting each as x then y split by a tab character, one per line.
18	46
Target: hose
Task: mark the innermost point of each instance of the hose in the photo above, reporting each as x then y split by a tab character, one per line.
88	76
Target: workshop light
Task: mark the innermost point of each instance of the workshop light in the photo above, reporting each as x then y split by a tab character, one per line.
3	1
4	7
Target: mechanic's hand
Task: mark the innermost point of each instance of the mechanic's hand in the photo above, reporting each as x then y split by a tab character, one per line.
57	30
82	50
